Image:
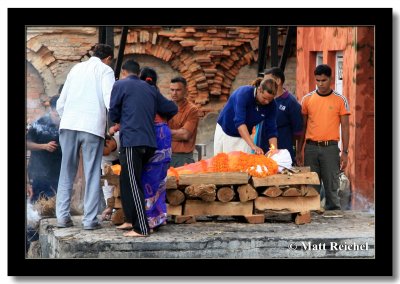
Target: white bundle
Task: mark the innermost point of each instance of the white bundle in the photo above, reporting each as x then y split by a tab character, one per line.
283	159
108	190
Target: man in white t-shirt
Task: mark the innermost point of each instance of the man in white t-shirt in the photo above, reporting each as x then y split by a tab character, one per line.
82	106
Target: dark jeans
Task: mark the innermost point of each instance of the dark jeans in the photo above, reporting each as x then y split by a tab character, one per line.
180	159
325	161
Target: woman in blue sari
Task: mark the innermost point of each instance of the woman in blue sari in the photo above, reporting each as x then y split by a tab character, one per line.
154	174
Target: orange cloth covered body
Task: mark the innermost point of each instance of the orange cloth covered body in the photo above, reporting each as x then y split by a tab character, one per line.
236	161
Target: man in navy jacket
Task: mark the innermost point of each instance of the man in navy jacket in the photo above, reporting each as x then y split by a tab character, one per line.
134	104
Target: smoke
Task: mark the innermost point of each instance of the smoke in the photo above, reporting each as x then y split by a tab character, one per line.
32	215
360	202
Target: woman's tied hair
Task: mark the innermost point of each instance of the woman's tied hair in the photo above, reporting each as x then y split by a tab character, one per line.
269	85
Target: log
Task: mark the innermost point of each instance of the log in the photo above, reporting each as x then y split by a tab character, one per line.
171	182
302	217
199	207
292	204
175	196
308	190
225	194
247	192
255	219
278	179
185	219
272	191
214	178
206	192
174	209
291	191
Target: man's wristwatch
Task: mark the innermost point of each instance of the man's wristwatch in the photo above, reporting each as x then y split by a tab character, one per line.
346	151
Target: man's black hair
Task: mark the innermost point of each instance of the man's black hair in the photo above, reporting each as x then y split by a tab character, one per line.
179	79
103	51
323	69
53	101
131	66
276	72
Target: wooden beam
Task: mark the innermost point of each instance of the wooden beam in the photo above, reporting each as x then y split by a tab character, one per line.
199	207
279	179
171	182
291	204
174	209
214	178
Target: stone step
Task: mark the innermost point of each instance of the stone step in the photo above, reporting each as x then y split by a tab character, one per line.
219	237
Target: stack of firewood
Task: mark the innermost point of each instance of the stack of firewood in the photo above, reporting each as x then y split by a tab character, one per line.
237	194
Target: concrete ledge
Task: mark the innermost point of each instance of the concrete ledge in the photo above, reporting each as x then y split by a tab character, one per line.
349	237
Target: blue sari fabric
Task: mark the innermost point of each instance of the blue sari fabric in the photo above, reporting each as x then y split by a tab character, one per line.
154	177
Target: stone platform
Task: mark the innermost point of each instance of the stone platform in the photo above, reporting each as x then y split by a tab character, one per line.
352	236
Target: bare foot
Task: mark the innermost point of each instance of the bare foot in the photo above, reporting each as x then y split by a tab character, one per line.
134	234
125	226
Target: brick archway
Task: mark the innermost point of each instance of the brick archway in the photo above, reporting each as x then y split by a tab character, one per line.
208	58
41	59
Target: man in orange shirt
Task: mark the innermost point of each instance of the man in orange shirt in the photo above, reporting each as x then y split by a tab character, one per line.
324	110
183	125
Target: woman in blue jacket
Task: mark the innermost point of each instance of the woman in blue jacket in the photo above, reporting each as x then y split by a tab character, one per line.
246	107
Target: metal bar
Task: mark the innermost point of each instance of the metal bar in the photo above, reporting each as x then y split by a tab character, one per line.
102	34
121	51
262	49
274	47
286	49
110	36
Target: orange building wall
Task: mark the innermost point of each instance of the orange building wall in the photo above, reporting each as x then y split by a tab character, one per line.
357	45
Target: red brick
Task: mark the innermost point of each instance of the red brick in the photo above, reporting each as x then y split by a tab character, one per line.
214	47
190	30
166	33
202	86
188	43
199	48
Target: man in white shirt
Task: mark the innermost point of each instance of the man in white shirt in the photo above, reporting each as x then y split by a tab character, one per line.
82	107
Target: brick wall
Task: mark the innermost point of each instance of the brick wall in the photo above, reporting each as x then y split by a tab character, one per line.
214	61
164	71
249	72
35	95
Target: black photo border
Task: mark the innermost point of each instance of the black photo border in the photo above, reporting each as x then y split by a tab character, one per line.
19	18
